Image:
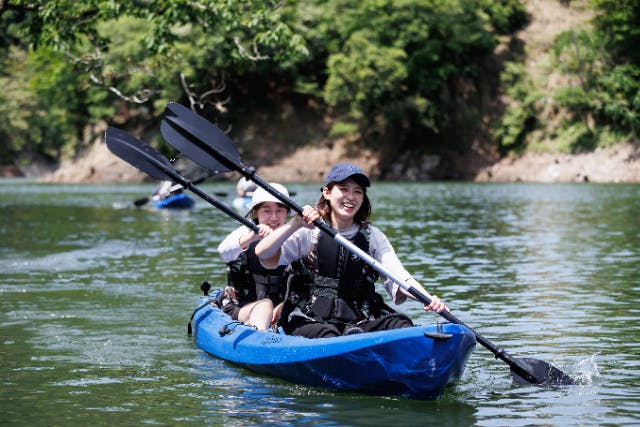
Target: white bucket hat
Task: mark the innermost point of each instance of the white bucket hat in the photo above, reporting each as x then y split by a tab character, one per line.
261	195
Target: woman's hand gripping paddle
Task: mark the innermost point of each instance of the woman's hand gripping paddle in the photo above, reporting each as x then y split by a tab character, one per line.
154	164
205	144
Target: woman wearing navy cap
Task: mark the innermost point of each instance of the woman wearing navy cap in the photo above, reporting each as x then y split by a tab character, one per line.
342	298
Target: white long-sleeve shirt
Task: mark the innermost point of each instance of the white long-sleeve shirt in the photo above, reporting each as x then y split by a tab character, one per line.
229	248
302	242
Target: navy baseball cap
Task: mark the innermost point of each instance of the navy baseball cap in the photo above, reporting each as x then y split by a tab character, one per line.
341	171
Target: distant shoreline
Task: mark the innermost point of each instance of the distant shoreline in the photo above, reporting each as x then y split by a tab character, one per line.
616	163
613	164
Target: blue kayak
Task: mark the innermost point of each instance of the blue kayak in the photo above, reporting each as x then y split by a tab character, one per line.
174	201
417	362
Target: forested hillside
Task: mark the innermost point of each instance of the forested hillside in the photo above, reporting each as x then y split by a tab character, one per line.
413	89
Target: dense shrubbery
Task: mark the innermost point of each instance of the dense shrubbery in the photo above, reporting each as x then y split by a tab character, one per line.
391	64
598	104
377	66
71	63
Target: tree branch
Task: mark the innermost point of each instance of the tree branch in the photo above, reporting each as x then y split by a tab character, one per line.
94	62
140	97
257	56
201	100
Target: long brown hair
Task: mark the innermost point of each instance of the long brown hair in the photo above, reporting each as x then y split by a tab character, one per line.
324	207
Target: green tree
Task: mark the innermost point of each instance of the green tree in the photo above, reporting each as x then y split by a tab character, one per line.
100	35
105	56
382	67
617	22
394	66
16	105
365	77
599	100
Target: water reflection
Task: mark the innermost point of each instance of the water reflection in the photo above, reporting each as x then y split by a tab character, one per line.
248	399
95	301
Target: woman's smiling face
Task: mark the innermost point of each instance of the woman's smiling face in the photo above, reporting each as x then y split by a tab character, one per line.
345	198
272	214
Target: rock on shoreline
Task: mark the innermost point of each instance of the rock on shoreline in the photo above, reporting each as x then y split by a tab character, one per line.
613	164
616	163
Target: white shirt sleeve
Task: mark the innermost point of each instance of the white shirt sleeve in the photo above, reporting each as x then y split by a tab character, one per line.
298	245
229	248
380	248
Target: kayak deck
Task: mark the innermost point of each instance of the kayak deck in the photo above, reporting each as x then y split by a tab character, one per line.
417	362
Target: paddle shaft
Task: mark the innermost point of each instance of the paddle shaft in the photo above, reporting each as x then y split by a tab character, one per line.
176	177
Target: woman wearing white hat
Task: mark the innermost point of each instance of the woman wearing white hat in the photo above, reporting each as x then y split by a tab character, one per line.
254	293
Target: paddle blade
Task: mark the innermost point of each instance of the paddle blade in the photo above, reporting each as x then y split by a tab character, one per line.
540	372
181	142
138	154
199	139
141	201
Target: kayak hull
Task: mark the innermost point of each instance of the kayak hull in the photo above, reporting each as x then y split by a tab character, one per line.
416	362
175	201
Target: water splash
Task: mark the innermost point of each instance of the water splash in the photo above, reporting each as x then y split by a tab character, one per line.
588	370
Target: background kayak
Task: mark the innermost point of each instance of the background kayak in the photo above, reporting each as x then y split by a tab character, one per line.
175	201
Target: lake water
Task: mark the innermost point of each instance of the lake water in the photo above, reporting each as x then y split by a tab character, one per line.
95	296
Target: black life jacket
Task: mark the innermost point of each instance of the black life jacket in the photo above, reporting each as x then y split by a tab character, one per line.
343	289
252	281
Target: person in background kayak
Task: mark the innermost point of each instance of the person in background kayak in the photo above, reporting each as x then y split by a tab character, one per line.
245	187
342	298
163	190
253	293
244	192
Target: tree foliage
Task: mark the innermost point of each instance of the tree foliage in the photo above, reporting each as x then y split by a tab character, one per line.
393	64
522	117
394	67
600	99
617	23
91	55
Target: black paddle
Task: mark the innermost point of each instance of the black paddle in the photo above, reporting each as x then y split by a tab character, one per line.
154	164
205	144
